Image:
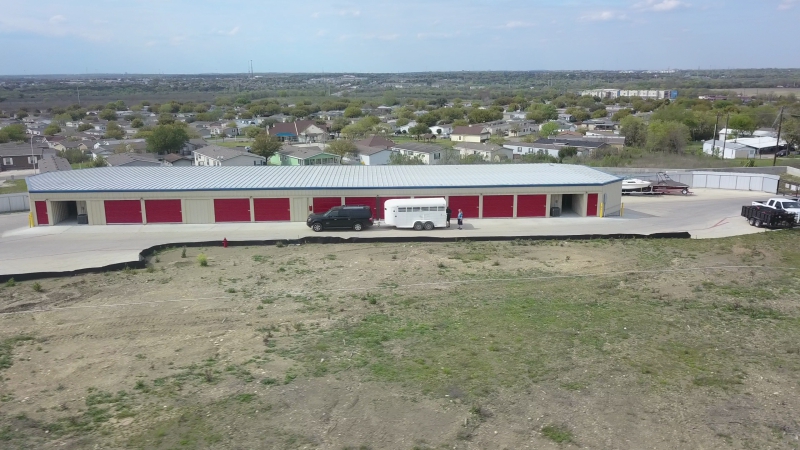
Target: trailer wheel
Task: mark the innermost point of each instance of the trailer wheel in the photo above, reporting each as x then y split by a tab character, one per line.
685	191
428	226
752	222
417	226
758	223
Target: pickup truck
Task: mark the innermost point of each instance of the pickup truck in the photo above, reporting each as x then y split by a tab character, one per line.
784	204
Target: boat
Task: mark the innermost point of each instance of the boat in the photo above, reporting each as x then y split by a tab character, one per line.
634	184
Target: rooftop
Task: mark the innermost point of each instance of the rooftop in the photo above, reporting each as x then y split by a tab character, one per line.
205	178
419	147
219	152
120	159
469	130
53	164
301	152
476	146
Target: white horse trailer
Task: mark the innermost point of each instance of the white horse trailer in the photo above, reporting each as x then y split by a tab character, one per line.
416	213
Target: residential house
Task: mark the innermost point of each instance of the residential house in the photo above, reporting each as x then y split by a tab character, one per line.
582	145
303	131
69	145
15	156
472	133
52	163
600	124
498	128
519	128
192	145
375	151
132	160
130	144
292	155
222	129
280	118
487	152
215	155
404	129
35	129
177	159
442	131
514	115
427	153
95	133
566	117
521	148
53	140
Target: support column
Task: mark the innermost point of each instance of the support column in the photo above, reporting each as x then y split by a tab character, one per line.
514	213
480	206
144	211
252	211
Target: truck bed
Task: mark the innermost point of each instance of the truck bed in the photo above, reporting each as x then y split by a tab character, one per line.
765	216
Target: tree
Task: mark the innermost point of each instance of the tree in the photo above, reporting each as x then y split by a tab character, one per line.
4	137
484	115
137	123
52	129
352	112
265	145
252	131
397	159
548	129
21	114
99	162
167	138
744	124
635	131
668	137
73	155
338	124
497	139
791	132
15	132
599	114
621	114
418	130
541	112
62	118
108	114
566	152
342	148
165	119
401	122
85	126
114	131
460	123
578	113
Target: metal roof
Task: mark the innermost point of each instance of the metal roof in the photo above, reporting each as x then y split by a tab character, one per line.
204	178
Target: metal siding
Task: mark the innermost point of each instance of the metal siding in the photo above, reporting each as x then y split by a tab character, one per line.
532	205
770	185
323	204
271	209
58	212
469	205
163	211
198	210
727	182
713	182
41	213
123	211
591	205
498	206
96	211
231	210
756	183
743	183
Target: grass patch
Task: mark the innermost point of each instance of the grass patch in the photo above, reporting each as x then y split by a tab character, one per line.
202	260
559	434
7	349
13	187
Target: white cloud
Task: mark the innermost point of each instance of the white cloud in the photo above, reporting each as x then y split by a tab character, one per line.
57	19
786	5
517	24
230	32
349	12
10	23
603	16
660	5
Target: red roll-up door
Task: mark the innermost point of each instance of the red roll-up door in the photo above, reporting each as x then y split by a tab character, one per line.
498	206
372	202
272	209
591	205
41	213
323	204
467	203
123	211
530	205
163	211
232	209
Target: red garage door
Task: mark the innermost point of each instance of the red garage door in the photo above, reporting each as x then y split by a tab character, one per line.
366	201
232	209
271	209
163	211
498	206
530	205
123	211
591	205
323	204
467	204
41	213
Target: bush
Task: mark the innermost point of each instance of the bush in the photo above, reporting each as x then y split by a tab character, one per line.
183	252
202	260
37	287
10	282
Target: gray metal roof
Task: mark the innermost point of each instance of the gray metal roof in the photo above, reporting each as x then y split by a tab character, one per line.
204	178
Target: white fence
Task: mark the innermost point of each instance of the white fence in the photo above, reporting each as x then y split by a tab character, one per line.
14	202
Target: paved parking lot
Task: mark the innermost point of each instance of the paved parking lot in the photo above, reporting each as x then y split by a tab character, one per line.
707	214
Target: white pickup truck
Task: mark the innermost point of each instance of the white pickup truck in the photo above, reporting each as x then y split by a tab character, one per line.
784	204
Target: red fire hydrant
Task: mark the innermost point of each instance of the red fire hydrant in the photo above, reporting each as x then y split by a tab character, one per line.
224	242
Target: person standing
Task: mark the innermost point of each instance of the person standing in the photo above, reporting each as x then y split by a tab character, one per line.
449	212
460	219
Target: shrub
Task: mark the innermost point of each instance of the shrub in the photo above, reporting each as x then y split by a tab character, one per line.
11	282
183	252
202	260
37	287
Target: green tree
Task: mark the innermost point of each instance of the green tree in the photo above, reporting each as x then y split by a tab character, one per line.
484	115
599	114
397	159
85	126
338	124
497	139
635	131
74	155
541	112
578	113
108	114
252	131
99	162
460	123
15	132
401	122
265	145
548	129
744	124
52	129
621	114
165	119
791	132
167	138
667	136
4	137
342	148
566	152
21	114
418	130
114	131
137	123
62	118
352	112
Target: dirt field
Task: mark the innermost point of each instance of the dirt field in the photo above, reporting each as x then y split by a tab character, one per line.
604	344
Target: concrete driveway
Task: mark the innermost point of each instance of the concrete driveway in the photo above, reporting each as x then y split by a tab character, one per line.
707	214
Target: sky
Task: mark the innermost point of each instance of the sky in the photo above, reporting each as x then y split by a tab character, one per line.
222	36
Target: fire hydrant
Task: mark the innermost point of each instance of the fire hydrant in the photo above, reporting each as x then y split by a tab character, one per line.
224	242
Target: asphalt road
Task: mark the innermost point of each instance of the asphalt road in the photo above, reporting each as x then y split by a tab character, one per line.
707	214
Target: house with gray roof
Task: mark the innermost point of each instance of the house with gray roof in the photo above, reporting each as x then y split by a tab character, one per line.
52	163
215	155
487	152
293	155
374	151
132	160
428	153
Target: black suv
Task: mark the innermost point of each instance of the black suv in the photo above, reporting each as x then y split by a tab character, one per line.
351	217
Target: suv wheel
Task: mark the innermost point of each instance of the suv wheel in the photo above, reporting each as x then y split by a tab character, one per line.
357	226
417	226
317	227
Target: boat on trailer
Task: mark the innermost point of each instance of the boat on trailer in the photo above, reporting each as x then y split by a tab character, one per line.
633	184
663	185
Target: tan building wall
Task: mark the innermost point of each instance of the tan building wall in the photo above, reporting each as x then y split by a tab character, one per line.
198	207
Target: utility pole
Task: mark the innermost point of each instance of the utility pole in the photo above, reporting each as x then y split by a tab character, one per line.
714	142
725	141
778	141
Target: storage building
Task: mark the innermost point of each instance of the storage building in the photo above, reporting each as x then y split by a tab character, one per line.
143	195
